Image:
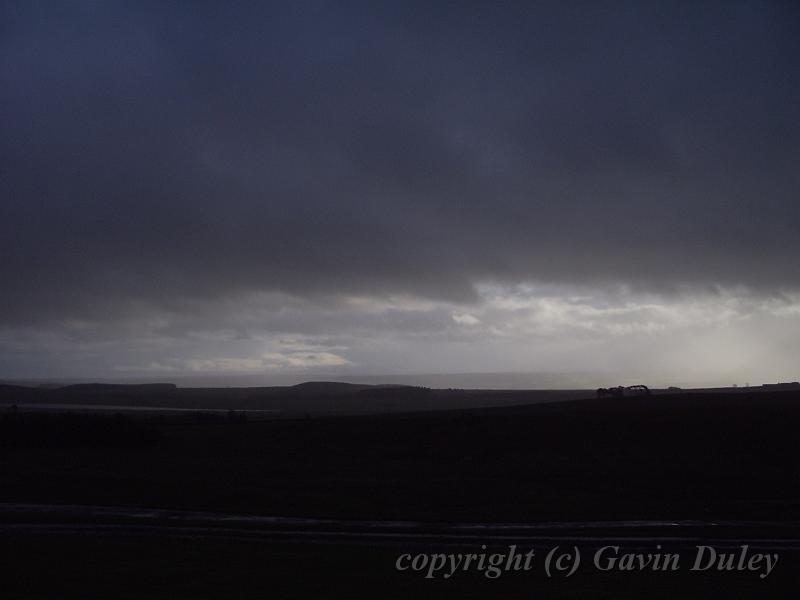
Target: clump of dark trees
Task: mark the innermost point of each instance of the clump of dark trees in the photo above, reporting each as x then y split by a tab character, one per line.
74	430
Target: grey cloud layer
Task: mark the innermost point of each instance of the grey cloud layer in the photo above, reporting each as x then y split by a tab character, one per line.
701	339
158	155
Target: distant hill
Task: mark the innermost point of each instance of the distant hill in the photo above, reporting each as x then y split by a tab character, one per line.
8	387
318	398
327	387
305	399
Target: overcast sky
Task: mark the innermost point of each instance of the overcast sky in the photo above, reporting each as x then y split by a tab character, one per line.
345	188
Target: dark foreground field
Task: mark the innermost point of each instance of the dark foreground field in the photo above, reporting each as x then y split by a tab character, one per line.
683	457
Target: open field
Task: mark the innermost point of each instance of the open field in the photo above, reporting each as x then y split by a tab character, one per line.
679	457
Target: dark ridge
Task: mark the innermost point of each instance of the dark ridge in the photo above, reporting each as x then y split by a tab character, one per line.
21	393
395	391
328	387
8	387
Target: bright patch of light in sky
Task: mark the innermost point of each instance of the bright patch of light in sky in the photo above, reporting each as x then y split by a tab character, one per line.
717	337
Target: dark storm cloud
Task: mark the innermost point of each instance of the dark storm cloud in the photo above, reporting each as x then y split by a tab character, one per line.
155	154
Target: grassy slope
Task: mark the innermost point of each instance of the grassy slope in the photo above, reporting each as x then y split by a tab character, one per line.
678	456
